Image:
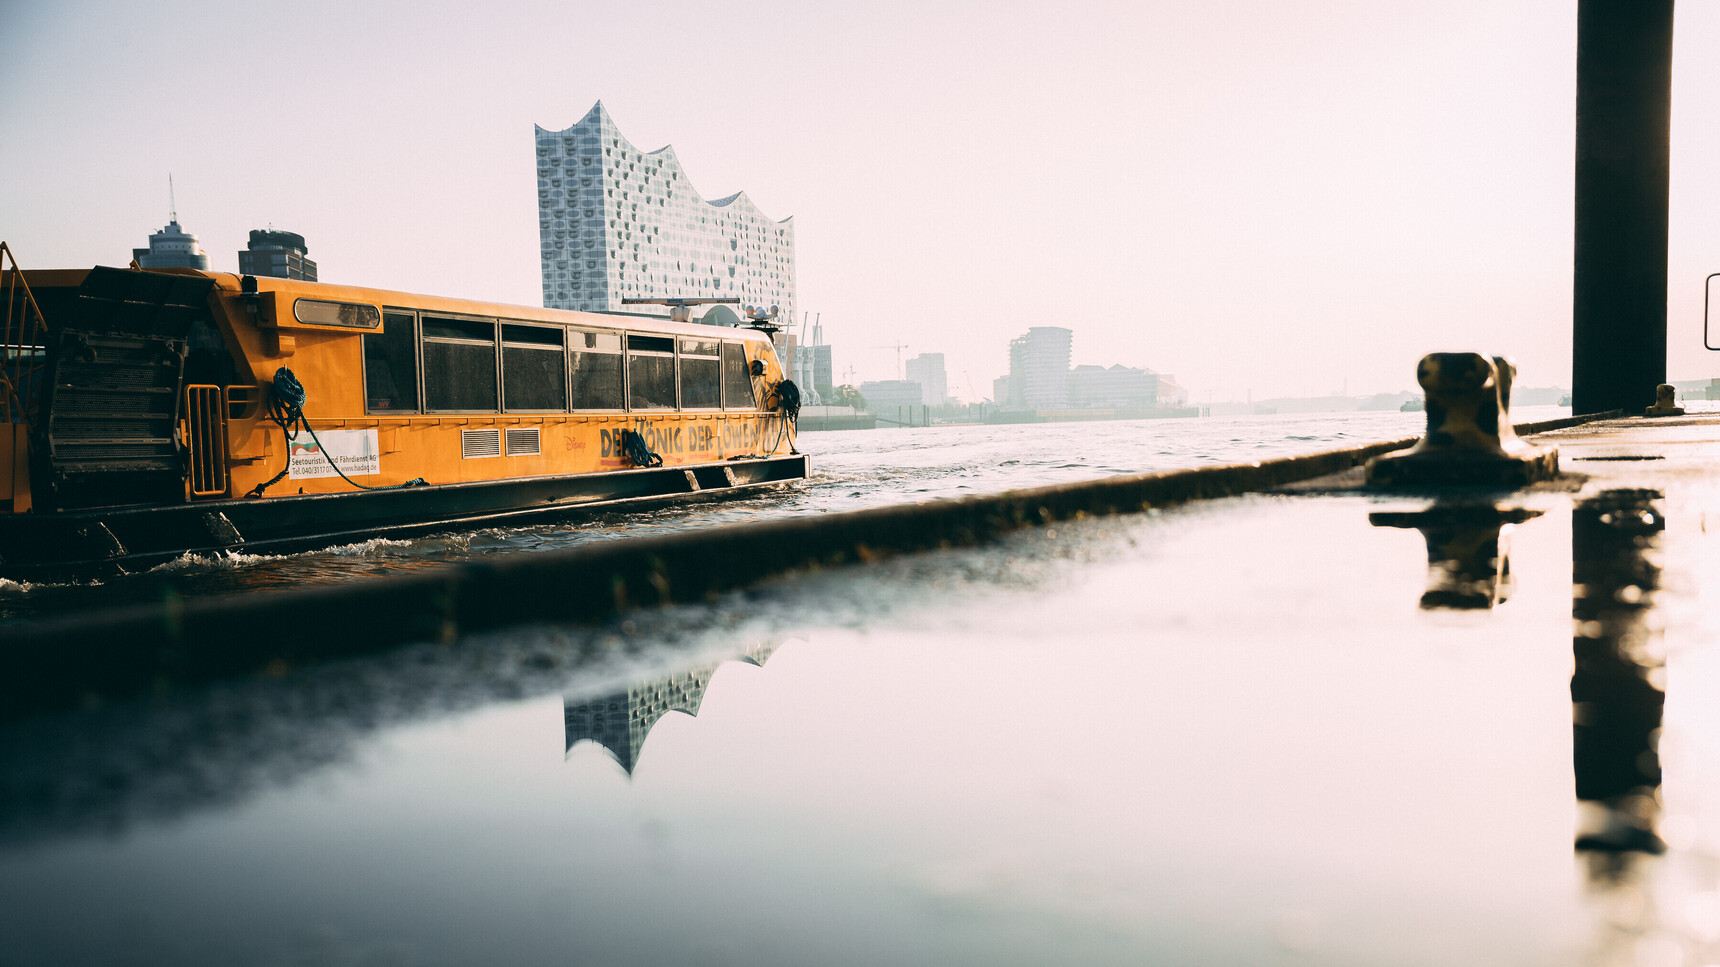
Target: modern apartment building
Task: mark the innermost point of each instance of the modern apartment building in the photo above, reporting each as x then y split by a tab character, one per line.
1039	369
927	369
615	222
277	254
823	371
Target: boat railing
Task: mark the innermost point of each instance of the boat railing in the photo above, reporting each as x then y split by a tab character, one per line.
23	343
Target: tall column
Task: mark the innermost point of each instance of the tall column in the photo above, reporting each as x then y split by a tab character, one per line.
1624	109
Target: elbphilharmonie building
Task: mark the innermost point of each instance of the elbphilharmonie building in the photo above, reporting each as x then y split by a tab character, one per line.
617	223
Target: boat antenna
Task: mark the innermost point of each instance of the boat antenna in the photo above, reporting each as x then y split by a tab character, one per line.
680	310
764	319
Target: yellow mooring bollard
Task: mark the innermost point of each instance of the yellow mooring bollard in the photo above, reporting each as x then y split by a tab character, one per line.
1665	402
1469	436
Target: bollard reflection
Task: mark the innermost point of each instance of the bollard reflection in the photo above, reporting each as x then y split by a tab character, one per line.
1468	565
620	722
1617	690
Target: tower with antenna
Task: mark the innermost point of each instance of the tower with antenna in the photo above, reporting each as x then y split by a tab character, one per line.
172	247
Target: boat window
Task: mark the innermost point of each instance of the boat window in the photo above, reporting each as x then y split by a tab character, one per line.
650	372
391	365
700	374
470	330
459	364
650	344
595	361
352	315
737	382
534	374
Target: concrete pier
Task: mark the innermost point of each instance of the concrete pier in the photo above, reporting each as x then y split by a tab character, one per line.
116	652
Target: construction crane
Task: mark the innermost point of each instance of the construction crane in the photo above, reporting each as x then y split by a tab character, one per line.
898	347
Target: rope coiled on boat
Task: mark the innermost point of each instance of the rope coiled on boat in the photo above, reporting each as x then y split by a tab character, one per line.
787	396
788	399
287	398
634	446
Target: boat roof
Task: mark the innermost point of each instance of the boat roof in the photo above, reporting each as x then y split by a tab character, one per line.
232	282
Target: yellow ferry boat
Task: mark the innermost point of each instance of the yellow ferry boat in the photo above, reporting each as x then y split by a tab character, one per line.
147	413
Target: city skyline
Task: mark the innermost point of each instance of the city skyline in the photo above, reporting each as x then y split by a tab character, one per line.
1256	197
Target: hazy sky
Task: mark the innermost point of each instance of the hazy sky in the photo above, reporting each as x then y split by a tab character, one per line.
1263	196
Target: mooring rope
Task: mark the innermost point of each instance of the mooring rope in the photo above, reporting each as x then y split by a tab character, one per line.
634	446
287	410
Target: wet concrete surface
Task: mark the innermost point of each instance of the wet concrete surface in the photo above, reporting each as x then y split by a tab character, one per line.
1275	729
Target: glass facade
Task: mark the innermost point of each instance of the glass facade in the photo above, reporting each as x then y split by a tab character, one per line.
616	222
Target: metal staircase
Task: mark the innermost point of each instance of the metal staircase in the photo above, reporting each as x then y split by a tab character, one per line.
112	391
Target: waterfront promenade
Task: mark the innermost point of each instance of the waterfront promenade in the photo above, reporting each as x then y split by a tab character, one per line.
1268	728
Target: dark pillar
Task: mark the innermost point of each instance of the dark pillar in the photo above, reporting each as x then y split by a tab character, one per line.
1624	109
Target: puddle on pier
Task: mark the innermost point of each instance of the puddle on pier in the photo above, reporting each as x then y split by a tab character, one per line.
1264	731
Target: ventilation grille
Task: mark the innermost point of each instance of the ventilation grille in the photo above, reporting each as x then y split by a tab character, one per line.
480	443
523	443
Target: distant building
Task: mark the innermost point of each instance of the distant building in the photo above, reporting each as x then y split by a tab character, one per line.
927	369
1040	378
1039	369
886	397
1119	385
1170	394
172	248
823	372
277	254
615	222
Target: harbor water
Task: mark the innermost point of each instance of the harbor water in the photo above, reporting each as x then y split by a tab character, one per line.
1261	730
851	469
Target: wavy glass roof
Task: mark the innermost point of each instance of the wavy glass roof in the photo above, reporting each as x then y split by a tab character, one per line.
616	222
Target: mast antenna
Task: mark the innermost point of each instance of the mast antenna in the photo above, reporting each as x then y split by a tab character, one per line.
172	203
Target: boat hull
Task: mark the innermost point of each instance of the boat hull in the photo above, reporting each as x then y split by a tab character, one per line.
132	538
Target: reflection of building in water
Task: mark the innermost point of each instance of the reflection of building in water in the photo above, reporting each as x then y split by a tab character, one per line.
1617	689
620	722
